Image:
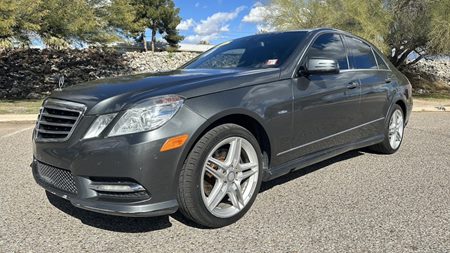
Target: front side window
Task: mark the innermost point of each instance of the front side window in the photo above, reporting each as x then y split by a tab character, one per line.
259	51
360	54
329	46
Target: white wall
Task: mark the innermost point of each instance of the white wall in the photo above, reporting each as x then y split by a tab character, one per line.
194	47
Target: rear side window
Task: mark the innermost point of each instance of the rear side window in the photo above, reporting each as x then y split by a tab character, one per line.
360	54
381	63
329	46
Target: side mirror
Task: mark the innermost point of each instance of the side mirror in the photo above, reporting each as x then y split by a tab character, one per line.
321	66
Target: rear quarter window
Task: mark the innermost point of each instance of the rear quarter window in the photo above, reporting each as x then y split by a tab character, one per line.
381	62
360	54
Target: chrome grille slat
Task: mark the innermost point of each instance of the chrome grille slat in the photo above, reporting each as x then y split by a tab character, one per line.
57	120
52	132
56	108
44	114
43	122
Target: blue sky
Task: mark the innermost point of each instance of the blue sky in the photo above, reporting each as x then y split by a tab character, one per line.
215	21
219	20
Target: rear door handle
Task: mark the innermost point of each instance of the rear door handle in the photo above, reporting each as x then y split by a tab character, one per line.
353	85
388	80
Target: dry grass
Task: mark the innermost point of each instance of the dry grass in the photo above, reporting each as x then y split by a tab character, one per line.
433	97
25	106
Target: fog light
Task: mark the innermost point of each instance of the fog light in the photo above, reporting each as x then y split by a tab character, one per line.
105	187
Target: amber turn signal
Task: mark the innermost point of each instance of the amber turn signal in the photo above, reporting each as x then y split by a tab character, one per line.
174	142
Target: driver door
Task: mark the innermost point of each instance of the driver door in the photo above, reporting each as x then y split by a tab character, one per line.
326	105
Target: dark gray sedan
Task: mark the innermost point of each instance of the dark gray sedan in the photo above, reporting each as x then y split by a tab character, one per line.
202	138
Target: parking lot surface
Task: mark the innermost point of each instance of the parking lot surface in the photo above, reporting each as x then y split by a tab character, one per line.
356	202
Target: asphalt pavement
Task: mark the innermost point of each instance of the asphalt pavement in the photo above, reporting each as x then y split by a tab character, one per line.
356	202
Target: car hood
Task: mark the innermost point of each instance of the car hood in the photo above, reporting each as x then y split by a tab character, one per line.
115	94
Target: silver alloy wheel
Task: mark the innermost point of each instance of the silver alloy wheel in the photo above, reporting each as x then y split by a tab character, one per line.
229	177
396	127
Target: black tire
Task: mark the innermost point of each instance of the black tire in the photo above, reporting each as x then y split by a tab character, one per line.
190	201
385	147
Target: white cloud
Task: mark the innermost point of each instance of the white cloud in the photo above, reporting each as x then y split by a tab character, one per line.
217	23
210	28
265	28
257	14
197	4
185	25
197	38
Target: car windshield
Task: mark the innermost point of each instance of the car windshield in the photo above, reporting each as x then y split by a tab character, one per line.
259	51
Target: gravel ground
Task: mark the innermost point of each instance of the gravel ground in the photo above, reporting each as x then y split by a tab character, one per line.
353	203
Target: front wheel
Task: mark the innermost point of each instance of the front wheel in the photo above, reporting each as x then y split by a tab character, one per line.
393	135
221	176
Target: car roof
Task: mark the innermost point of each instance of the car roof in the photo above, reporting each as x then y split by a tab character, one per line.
312	30
326	29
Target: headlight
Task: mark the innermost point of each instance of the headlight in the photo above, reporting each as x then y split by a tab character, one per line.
99	125
147	115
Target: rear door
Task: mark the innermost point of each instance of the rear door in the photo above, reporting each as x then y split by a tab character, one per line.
374	77
326	106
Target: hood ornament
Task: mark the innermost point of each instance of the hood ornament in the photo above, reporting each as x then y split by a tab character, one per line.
60	82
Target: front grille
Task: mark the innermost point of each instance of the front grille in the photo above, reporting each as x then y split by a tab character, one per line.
56	178
58	119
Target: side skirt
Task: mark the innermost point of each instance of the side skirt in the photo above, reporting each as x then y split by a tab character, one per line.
313	158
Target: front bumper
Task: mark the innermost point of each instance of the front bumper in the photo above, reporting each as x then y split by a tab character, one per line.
134	157
78	192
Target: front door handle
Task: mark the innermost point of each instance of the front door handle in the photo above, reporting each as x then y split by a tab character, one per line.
388	80
353	85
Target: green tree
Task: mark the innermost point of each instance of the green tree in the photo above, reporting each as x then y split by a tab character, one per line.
61	23
74	21
160	16
440	28
409	30
421	27
122	16
170	20
367	19
398	27
18	21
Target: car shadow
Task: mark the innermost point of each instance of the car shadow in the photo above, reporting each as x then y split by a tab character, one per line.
309	169
110	222
148	224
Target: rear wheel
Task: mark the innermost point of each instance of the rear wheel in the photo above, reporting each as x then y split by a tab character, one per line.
221	176
393	133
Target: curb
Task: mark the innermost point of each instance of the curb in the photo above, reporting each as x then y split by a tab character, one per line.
18	118
431	109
